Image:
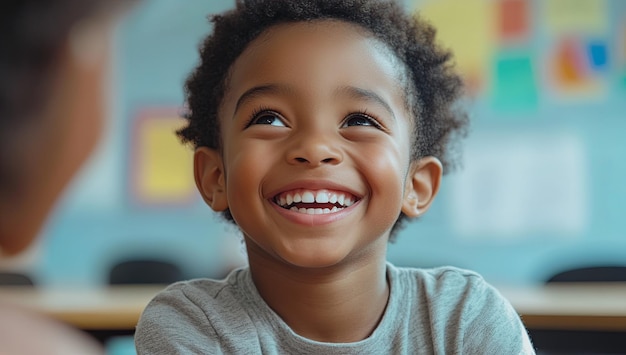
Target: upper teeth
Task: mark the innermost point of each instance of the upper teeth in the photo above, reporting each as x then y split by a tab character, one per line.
320	196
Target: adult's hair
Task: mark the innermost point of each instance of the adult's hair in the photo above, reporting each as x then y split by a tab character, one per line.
432	86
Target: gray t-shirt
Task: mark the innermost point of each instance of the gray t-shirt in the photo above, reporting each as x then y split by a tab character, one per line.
430	311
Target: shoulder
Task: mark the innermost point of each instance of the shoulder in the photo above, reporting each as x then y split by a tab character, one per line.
187	311
176	306
439	273
445	279
450	287
193	291
466	310
447	288
197	295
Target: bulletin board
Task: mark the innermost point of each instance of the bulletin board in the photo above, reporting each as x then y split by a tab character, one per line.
519	54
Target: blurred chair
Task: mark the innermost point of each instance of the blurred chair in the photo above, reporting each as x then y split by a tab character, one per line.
15	279
144	271
591	274
582	342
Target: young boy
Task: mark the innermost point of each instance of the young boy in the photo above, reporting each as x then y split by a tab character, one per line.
320	126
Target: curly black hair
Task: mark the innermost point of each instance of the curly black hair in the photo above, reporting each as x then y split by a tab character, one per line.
433	87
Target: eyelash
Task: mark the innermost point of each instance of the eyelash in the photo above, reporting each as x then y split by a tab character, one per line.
264	109
363	113
258	111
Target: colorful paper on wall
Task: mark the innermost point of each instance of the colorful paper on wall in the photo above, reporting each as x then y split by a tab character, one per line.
513	20
571	69
597	52
515	87
162	167
468	28
569	66
576	16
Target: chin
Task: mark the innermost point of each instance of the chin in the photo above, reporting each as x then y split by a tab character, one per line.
315	257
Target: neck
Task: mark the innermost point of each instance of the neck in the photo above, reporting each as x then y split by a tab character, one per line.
338	304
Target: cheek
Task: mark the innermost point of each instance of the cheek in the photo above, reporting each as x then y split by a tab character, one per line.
245	170
388	166
85	109
78	111
91	94
386	173
86	130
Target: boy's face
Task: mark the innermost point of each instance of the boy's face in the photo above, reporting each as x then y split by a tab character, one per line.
315	165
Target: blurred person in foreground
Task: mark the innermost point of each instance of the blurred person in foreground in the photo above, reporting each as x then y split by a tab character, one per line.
54	56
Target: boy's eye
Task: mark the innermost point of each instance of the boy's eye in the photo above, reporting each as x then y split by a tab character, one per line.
360	119
267	118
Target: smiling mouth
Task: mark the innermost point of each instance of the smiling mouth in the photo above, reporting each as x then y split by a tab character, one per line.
315	201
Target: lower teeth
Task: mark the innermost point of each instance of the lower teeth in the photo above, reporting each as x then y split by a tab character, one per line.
314	210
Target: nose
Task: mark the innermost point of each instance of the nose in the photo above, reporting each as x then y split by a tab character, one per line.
314	150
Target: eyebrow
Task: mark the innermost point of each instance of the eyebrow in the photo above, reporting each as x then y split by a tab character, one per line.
365	94
351	91
259	91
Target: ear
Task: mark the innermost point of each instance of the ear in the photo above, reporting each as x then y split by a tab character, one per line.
422	186
208	170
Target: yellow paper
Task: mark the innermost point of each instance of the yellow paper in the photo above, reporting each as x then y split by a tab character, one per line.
164	165
468	28
576	16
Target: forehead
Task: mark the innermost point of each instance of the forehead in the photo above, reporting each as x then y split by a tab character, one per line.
321	53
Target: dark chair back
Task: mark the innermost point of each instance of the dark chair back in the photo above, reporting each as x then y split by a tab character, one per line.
15	279
591	274
144	271
580	341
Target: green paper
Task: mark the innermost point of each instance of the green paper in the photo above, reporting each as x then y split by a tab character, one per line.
514	86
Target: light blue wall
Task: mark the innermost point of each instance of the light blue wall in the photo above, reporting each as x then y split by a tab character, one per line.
96	223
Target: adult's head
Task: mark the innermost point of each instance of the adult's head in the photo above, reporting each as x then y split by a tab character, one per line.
53	61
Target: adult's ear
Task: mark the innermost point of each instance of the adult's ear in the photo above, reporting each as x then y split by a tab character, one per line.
422	186
208	170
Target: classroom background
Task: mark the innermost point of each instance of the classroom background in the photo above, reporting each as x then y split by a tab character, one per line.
541	187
